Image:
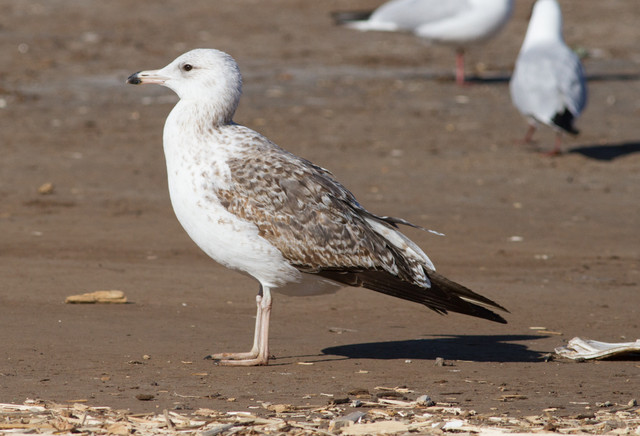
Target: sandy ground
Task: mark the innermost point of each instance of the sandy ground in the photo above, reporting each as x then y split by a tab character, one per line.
382	113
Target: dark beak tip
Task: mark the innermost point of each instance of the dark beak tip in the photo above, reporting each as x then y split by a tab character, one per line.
134	79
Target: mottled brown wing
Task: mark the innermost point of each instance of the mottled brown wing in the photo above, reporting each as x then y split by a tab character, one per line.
320	228
303	211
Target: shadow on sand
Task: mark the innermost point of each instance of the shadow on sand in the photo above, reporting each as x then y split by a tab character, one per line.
480	348
607	152
502	78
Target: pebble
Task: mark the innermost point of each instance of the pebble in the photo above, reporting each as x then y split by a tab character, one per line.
145	397
425	400
345	421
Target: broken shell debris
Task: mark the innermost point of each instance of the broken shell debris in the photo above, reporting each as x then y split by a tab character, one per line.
112	297
380	417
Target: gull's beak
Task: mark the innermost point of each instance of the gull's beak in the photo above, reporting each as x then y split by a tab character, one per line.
144	77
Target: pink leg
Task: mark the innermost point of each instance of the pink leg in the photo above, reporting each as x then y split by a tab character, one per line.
460	67
557	148
528	137
259	354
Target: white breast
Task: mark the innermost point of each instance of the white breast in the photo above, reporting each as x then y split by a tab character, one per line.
196	168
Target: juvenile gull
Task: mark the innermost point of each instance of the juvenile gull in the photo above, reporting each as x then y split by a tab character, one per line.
548	84
460	23
257	208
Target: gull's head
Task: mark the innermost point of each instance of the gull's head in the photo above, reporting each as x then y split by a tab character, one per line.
203	75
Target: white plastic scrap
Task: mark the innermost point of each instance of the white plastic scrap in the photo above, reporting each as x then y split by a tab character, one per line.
584	349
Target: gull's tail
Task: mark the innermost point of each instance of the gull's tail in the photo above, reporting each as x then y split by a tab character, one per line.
443	295
565	120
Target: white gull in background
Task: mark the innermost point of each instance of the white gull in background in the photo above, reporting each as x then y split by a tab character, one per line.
548	84
257	208
460	23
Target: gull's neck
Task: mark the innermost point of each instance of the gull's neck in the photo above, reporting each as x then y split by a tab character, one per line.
545	24
200	116
194	137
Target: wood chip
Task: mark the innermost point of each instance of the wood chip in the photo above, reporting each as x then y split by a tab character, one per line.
217	429
113	297
119	428
394	417
45	188
380	427
280	408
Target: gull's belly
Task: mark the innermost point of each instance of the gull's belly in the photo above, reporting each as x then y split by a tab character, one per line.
229	240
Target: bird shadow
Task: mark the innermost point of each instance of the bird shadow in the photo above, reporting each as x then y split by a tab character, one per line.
613	77
477	348
502	78
488	79
607	152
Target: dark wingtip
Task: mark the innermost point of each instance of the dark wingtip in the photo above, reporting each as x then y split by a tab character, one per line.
443	296
134	79
480	312
492	316
564	120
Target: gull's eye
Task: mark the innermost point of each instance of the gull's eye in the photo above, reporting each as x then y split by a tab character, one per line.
187	67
